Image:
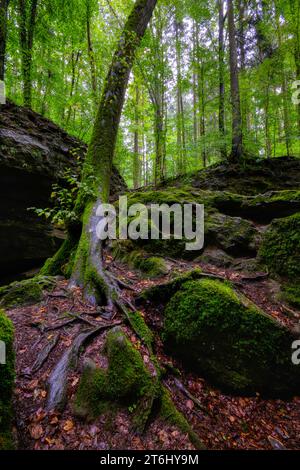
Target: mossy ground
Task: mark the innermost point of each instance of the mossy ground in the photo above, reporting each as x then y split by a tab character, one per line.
25	292
7	376
231	341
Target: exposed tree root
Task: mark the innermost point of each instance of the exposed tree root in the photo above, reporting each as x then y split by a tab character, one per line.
58	379
44	354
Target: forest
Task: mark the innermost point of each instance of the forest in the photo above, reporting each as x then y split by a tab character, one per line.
149	227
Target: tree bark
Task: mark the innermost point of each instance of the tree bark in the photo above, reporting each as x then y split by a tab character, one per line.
237	130
136	156
28	13
91	50
3	35
88	269
181	137
221	81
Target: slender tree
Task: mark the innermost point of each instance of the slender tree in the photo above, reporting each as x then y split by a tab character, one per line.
27	21
3	34
221	80
136	151
91	49
88	270
237	128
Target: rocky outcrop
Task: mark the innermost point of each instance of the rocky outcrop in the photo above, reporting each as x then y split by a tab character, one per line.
34	154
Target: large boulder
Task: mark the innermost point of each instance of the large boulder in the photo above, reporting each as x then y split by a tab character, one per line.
280	248
34	154
220	334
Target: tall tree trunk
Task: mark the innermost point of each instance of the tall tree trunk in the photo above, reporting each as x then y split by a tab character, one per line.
157	96
195	94
136	154
74	62
181	137
295	15
28	13
237	130
3	34
88	270
222	81
284	87
91	50
202	112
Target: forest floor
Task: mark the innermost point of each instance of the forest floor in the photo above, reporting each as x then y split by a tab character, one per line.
222	421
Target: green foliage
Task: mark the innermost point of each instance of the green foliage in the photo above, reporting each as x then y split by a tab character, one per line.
231	341
280	249
69	70
63	198
7	377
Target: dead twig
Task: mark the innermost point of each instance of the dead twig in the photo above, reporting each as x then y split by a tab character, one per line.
185	392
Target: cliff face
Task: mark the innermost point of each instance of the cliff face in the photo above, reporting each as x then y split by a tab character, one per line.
34	154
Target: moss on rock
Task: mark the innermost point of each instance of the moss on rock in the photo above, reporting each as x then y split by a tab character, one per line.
280	248
127	381
25	292
150	266
291	294
234	235
231	341
162	293
7	376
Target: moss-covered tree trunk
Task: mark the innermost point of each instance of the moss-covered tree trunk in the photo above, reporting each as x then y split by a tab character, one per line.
88	270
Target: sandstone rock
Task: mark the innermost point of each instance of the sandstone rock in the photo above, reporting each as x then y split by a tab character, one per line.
34	154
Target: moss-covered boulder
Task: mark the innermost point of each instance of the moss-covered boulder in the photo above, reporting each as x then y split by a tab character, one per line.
222	335
234	235
149	266
280	248
127	381
7	376
290	293
25	292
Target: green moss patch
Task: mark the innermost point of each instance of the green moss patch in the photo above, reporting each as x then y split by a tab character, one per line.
280	249
7	376
127	381
149	266
162	293
25	292
171	415
228	339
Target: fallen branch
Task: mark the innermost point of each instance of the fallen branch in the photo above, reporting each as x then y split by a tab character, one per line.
290	311
185	392
57	382
254	278
120	282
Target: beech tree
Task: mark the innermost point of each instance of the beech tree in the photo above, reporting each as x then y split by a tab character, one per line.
237	128
3	34
88	271
27	21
